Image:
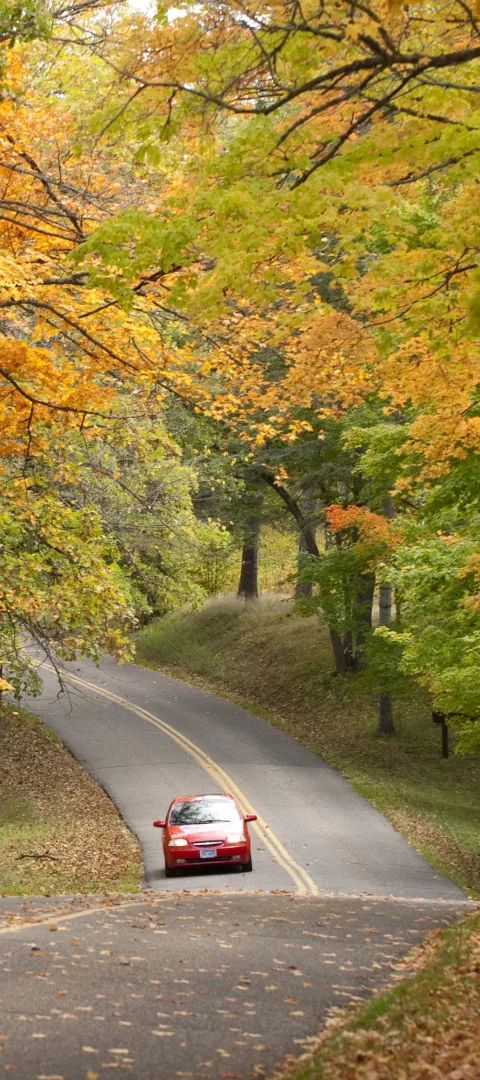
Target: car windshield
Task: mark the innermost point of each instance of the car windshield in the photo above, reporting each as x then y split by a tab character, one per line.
204	812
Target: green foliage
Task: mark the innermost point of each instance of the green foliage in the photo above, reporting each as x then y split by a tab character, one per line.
24	20
59	582
474	309
16	663
144	492
440	640
434	570
131	243
378	448
245	223
336	572
209	568
278	556
382	671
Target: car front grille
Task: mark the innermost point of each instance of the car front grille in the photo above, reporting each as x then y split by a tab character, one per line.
205	843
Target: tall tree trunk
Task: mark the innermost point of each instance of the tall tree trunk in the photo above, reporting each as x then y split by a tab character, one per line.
338	651
349	651
341	649
306	542
386	725
248	584
303	587
364	603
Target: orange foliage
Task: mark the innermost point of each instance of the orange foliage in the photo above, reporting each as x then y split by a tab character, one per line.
66	349
372	528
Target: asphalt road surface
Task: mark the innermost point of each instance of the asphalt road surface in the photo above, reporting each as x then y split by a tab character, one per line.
189	987
216	975
146	738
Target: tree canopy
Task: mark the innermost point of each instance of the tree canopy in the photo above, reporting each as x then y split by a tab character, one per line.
265	212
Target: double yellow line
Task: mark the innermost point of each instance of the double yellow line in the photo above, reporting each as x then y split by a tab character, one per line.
304	883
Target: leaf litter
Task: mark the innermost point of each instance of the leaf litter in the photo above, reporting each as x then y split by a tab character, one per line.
60	831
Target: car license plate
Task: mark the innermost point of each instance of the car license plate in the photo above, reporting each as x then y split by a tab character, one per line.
208	853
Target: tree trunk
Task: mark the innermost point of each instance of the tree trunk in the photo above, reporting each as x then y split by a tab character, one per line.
248	584
338	651
306	542
341	649
385	715
385	708
349	651
385	605
303	586
364	603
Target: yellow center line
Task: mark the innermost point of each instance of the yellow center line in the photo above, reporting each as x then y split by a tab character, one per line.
55	917
304	883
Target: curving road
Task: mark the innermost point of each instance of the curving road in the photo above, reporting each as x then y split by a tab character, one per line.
146	738
216	975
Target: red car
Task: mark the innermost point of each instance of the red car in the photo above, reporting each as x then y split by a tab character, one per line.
205	829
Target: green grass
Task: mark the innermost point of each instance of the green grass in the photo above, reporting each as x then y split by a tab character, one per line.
271	660
428	1025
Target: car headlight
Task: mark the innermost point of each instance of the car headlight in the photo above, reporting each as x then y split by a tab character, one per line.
235	839
178	842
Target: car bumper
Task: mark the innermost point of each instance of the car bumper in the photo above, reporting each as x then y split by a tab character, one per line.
234	853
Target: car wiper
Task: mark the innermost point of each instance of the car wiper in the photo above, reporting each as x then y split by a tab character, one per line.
208	821
205	821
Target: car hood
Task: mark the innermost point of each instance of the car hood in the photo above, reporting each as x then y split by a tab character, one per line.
206	832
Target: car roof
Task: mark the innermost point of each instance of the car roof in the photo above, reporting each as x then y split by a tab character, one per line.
209	795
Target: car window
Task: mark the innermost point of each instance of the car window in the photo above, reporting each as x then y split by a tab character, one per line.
204	812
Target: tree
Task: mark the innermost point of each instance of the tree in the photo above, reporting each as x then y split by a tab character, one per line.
385	597
133	475
60	581
71	375
265	212
350	136
248	584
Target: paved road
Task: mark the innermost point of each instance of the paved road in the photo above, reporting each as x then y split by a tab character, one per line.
315	833
189	987
216	975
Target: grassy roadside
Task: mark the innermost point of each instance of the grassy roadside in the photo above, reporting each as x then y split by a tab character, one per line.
277	663
60	833
427	1026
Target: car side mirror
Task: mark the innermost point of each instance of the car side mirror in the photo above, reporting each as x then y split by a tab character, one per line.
250	817
160	824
